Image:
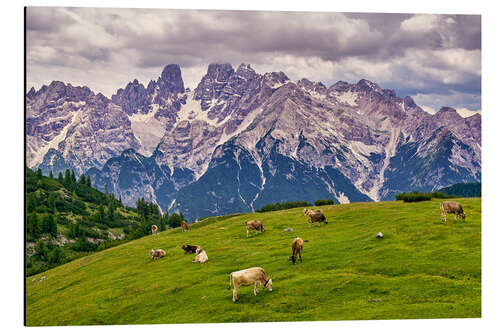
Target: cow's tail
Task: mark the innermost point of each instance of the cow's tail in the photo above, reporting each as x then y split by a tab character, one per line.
230	280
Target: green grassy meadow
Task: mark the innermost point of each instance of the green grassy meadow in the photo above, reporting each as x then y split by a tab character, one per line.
420	269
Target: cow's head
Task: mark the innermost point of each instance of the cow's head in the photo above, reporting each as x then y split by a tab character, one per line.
293	259
269	285
152	253
462	215
262	228
305	211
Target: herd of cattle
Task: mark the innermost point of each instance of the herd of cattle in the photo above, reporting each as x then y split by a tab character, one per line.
256	276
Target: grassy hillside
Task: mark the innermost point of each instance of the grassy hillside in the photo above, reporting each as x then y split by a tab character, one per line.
420	269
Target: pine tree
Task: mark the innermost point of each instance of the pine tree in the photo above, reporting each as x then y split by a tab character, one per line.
51	175
32	226
73	177
49	225
82	179
41	250
60	177
89	184
51	203
106	188
55	256
38	173
100	214
67	177
30	203
111	212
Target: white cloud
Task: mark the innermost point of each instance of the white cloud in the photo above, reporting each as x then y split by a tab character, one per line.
420	23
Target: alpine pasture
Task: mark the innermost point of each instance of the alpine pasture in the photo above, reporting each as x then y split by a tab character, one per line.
421	268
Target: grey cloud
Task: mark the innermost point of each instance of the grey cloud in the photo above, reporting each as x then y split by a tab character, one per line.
322	46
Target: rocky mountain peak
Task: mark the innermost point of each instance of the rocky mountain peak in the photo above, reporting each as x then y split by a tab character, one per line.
242	68
171	78
213	82
368	86
134	98
340	86
275	79
409	102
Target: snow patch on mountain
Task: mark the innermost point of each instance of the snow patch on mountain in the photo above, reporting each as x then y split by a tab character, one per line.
348	97
148	130
342	198
37	157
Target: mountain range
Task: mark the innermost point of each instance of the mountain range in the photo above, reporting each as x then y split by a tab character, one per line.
241	139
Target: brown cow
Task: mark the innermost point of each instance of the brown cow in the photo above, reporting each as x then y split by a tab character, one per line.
247	277
315	216
184	226
297	247
254	225
154	229
189	249
157	254
451	207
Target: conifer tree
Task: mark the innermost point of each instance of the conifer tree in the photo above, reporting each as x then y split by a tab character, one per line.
51	203
100	214
89	184
73	177
82	179
67	177
33	226
60	177
51	175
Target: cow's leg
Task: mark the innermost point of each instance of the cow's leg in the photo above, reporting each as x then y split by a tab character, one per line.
455	217
255	291
247	232
235	294
300	256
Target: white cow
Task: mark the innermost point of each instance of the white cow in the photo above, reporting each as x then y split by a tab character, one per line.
247	277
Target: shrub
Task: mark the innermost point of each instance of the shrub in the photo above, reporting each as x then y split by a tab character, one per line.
441	195
56	256
323	202
283	205
413	196
83	245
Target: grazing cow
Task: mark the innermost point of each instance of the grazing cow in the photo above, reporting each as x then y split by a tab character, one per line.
315	216
184	226
254	225
188	249
154	229
247	277
157	254
201	256
451	207
297	247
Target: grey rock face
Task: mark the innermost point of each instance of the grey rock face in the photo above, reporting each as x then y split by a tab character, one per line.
71	126
241	139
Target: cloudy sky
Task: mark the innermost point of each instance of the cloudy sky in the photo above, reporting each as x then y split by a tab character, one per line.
436	59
